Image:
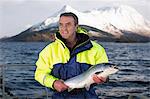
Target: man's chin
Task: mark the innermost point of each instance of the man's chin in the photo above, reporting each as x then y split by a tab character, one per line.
64	37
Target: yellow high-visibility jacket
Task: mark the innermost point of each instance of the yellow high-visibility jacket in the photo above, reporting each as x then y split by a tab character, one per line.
57	61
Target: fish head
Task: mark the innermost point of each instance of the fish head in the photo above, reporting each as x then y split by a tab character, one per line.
112	69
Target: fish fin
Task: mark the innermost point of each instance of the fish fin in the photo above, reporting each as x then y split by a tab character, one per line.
70	89
87	87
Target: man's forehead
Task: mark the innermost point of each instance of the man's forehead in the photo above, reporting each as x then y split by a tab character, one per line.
66	19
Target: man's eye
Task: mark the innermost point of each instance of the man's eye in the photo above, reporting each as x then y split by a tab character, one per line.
68	24
60	25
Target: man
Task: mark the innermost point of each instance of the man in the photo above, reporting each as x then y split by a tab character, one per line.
69	55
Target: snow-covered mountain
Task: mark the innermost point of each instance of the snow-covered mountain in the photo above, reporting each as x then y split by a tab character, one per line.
108	19
112	24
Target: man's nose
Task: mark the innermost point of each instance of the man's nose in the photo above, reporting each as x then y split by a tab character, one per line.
64	27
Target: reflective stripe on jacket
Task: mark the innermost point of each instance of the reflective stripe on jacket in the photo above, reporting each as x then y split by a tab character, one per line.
56	61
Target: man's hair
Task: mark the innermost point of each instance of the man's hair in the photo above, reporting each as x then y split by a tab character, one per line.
72	15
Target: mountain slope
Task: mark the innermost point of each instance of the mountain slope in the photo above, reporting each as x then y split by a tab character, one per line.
121	23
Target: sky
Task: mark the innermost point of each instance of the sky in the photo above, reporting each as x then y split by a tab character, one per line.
18	15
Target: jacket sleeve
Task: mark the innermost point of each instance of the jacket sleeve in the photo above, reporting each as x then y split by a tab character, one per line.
101	56
44	68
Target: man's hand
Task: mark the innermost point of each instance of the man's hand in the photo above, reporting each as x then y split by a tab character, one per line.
60	86
99	80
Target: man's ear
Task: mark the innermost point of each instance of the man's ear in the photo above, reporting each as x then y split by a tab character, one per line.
77	26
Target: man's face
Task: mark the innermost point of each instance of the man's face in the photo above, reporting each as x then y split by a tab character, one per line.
67	27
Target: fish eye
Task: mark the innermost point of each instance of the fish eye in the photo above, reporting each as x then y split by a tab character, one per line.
115	67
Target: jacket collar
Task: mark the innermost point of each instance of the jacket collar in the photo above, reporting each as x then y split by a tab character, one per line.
82	44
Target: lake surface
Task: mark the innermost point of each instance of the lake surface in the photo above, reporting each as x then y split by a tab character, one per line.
132	81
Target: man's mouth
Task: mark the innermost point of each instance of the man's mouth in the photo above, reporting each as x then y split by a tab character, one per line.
64	32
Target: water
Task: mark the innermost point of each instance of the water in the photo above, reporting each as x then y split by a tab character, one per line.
133	80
